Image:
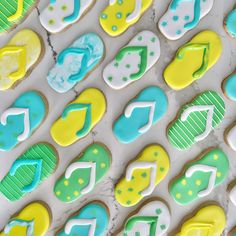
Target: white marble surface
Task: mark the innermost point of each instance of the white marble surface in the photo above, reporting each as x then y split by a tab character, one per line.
122	154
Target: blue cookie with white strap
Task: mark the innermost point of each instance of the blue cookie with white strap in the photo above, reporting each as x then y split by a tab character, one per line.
21	119
75	62
91	220
141	114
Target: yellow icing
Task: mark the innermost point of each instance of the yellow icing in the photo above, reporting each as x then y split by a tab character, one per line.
179	73
13	66
209	221
18	14
63	131
34	211
141	177
124	7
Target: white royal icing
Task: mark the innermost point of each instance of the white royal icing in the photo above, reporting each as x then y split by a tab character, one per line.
83	165
231	138
172	22
143	165
232	195
136	13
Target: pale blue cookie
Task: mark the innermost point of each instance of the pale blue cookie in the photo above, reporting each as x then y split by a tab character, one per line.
229	87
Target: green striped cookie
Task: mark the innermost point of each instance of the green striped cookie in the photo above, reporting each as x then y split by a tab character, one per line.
200	177
29	171
196	120
83	174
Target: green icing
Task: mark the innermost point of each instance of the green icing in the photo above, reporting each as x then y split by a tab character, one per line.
12	186
69	190
182	134
185	189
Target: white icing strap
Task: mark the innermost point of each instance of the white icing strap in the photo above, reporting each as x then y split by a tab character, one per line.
111	2
210	109
129	109
144	165
212	179
14	112
83	165
232	195
78	222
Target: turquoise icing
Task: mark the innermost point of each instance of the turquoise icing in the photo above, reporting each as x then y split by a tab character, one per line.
15	124
126	129
91	211
231	23
230	87
75	14
23	223
63	77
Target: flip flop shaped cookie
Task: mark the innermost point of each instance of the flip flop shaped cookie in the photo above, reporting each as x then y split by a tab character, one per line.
60	14
133	61
29	171
196	120
13	12
232	195
18	57
193	60
79	117
152	219
75	62
91	220
34	219
200	177
230	136
230	23
141	114
209	221
229	87
121	14
21	119
183	16
142	176
84	173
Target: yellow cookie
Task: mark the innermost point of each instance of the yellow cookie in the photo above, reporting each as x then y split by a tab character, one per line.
18	57
193	60
121	14
142	175
209	221
34	219
79	117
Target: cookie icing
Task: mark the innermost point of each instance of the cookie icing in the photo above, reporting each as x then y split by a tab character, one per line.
119	15
79	117
60	14
229	87
13	223
133	61
75	62
232	195
230	23
152	219
94	216
193	60
200	177
21	119
39	161
231	136
183	16
84	173
142	176
196	120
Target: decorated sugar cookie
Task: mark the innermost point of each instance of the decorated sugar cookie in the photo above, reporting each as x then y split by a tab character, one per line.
133	60
75	62
232	232
91	220
119	15
28	171
229	87
210	221
232	195
79	117
229	23
13	12
193	60
19	56
200	177
142	175
141	114
196	120
152	219
34	219
84	173
60	14
183	16
21	119
230	136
